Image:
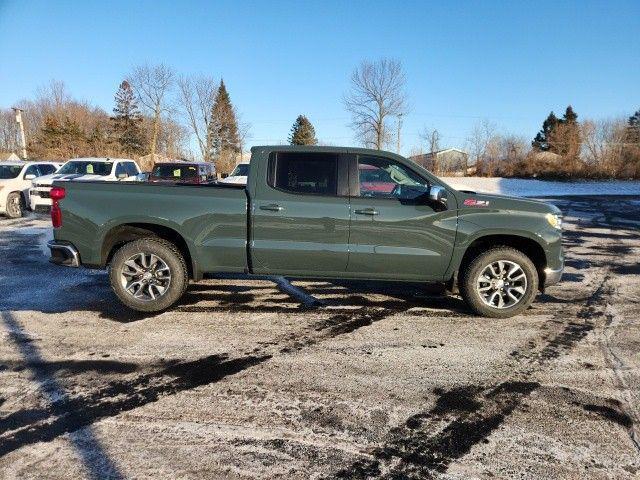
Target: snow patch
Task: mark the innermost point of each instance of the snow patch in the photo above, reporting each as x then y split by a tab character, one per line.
542	188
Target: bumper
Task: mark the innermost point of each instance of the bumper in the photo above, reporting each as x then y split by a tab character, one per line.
551	276
39	198
63	254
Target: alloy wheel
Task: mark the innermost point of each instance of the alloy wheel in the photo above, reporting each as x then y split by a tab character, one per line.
502	284
145	276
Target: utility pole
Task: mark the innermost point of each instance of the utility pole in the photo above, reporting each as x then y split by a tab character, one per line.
399	129
23	143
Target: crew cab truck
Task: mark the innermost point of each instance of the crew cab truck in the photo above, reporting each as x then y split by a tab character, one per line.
312	213
15	181
82	169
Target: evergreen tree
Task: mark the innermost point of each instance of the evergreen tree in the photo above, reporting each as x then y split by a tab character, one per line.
633	128
127	120
302	132
569	117
541	141
566	139
223	131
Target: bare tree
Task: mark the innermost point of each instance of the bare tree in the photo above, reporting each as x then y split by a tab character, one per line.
152	85
432	138
480	143
377	93
603	146
196	96
8	131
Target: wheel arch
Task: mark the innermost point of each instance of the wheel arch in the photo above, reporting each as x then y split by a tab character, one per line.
128	232
526	245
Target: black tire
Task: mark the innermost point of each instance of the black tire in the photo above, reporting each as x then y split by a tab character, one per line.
15	205
169	255
470	286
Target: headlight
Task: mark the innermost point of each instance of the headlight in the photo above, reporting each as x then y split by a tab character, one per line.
554	220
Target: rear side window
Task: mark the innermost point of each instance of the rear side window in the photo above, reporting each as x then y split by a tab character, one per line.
312	173
120	170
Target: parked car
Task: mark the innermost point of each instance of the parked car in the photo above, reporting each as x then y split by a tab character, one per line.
183	172
305	214
238	175
15	181
82	169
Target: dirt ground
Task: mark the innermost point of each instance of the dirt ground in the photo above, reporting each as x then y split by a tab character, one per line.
251	379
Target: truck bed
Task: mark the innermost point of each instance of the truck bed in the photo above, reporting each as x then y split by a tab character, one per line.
211	219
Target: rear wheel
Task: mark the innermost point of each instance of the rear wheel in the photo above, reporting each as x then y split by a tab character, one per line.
15	205
499	283
148	275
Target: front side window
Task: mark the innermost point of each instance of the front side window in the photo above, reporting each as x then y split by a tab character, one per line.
131	169
86	168
46	169
385	178
241	170
311	173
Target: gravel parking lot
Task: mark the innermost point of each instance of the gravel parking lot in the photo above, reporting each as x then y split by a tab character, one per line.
249	379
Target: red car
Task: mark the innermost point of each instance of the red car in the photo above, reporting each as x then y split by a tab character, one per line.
375	179
183	172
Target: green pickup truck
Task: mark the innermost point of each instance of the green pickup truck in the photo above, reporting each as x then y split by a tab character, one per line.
311	213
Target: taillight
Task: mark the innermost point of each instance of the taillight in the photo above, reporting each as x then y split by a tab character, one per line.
56	194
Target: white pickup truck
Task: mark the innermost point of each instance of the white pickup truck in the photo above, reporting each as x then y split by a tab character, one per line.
83	169
15	181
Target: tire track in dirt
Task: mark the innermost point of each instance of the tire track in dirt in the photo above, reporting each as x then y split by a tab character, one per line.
422	447
71	413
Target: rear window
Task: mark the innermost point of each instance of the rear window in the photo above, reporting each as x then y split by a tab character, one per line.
9	171
313	173
169	170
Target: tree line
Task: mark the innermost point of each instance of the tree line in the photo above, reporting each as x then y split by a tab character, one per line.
158	112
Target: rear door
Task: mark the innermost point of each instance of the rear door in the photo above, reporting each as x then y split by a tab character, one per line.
300	215
396	232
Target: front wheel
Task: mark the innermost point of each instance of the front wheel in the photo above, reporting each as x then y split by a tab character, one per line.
499	283
148	275
15	205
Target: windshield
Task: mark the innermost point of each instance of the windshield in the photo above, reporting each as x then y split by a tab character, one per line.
241	170
174	171
86	168
9	171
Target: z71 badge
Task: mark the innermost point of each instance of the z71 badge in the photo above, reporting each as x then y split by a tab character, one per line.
470	202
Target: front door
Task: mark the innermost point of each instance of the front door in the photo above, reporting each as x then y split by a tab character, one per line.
396	233
300	218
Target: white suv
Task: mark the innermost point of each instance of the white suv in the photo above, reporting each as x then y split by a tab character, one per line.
83	169
15	181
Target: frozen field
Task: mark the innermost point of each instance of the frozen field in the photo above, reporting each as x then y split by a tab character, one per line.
542	188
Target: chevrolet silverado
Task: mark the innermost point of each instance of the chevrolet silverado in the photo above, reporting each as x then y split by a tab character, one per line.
311	213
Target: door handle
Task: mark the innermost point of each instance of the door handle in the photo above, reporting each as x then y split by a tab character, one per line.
272	208
367	211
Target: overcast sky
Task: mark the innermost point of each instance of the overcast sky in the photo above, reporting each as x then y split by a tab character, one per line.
510	62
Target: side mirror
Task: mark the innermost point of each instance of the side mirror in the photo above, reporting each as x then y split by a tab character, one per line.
437	194
224	175
29	176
